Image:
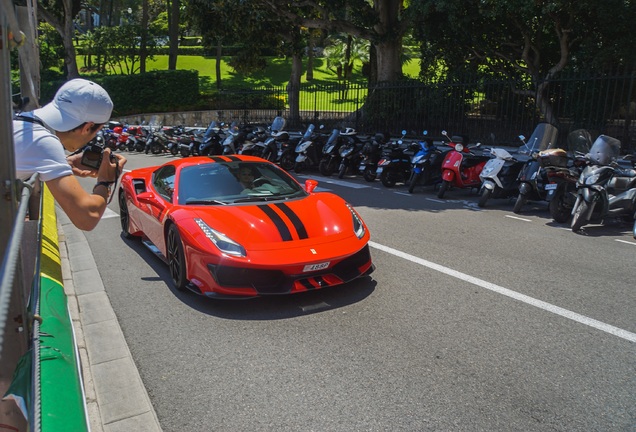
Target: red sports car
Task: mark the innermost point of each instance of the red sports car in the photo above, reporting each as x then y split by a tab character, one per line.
241	226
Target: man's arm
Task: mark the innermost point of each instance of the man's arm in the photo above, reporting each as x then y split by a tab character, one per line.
84	209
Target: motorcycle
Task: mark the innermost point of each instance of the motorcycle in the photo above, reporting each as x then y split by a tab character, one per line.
211	141
602	174
349	151
562	171
308	150
330	156
461	166
233	142
532	178
395	164
426	169
371	154
262	143
499	177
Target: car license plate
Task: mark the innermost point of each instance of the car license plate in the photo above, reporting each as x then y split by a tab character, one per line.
314	267
550	186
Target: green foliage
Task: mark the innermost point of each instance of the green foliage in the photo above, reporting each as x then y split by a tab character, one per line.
155	91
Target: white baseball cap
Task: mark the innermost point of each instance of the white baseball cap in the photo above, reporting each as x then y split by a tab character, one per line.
76	102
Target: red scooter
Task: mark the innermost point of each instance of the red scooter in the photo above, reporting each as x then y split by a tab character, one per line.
461	167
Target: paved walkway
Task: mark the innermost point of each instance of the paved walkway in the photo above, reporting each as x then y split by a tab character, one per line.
116	398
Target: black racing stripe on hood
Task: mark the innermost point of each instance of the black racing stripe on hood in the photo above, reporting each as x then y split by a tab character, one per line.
218	159
278	222
233	158
295	220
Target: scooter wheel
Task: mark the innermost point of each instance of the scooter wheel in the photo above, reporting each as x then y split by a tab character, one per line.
369	175
522	199
415	178
559	211
341	170
287	162
443	188
326	167
388	178
299	167
579	218
484	197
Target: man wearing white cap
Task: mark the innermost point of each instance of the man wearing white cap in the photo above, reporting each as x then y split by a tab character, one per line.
79	109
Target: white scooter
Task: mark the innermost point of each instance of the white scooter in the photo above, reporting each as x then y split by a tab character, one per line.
499	176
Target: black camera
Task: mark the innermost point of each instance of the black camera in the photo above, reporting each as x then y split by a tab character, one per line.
93	153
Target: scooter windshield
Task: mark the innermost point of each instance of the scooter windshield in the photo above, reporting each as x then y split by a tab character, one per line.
605	150
211	130
334	136
278	124
543	137
308	132
579	141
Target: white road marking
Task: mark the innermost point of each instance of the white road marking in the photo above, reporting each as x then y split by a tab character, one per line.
435	200
518	218
624	334
109	214
624	241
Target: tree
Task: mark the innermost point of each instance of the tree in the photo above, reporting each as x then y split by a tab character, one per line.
536	39
60	15
382	22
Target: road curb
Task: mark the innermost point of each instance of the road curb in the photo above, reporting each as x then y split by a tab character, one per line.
116	398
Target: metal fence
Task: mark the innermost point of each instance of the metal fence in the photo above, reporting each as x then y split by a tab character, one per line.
487	110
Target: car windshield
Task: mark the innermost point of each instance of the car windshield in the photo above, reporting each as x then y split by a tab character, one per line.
223	183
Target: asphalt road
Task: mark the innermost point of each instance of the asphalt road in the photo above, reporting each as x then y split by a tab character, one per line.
474	320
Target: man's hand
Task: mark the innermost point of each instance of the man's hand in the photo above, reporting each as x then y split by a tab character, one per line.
109	169
78	169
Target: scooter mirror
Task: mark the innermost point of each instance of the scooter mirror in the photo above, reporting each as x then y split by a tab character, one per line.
522	137
425	132
444	133
403	132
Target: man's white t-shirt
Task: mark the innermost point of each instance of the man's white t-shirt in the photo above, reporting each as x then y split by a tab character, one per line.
37	149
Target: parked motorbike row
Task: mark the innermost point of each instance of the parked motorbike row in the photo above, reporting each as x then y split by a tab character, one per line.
583	181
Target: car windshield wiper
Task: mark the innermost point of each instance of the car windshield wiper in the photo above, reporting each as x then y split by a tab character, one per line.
205	202
257	198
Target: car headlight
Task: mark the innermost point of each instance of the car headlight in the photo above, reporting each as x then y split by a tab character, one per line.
358	226
593	179
220	240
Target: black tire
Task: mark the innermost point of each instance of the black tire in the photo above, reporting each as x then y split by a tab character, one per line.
299	167
388	178
369	174
342	169
185	153
326	167
579	218
443	188
156	149
287	161
124	216
634	230
522	199
415	178
176	258
559	210
484	196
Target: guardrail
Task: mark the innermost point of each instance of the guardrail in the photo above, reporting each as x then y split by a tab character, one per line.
47	384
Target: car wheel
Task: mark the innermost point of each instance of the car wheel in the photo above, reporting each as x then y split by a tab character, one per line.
124	216
176	258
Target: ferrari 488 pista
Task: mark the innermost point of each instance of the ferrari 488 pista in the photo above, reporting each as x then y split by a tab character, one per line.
231	226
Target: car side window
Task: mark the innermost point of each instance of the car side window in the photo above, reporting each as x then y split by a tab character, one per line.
163	181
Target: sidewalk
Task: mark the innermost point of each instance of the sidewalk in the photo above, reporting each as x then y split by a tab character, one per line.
116	398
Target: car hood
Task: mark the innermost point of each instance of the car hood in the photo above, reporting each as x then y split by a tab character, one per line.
320	217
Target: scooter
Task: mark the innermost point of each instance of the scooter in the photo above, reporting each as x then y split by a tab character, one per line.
461	166
330	156
562	170
350	151
396	166
211	141
500	176
371	153
426	167
308	150
532	178
594	202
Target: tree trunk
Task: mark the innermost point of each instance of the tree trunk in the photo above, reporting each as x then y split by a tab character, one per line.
309	75
65	29
389	67
219	52
293	90
173	33
143	48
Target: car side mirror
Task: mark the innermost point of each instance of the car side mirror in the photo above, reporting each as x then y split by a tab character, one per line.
310	185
